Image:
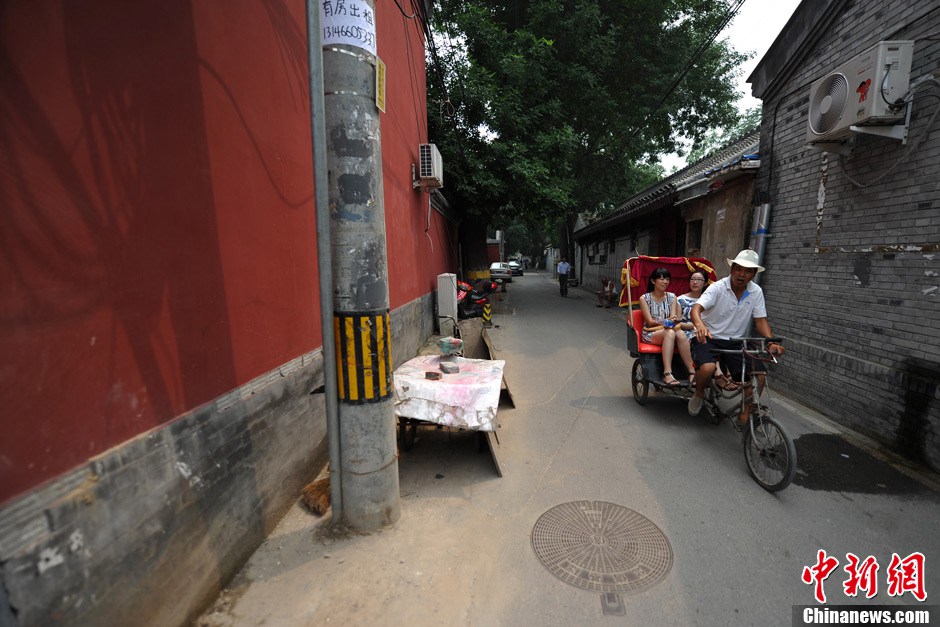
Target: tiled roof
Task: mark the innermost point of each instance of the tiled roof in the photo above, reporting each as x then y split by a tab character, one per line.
665	192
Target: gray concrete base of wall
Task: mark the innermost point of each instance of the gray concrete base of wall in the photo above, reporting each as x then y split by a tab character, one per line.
150	531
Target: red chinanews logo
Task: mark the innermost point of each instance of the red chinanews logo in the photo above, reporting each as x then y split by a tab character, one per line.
902	575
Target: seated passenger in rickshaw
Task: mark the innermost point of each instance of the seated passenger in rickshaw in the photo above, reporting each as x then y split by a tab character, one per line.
698	281
661	317
725	311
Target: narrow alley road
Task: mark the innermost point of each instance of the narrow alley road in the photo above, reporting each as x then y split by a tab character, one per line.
722	550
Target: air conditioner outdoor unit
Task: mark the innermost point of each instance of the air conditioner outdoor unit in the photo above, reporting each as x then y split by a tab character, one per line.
447	303
861	92
430	168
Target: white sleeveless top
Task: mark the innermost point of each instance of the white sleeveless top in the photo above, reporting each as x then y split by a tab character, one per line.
659	311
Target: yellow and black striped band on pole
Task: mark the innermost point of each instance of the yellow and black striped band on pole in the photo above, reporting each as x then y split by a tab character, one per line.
363	356
487	313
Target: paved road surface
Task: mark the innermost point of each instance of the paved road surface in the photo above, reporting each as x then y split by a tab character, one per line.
462	553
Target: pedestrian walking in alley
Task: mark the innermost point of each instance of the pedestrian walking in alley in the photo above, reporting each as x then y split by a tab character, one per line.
563	268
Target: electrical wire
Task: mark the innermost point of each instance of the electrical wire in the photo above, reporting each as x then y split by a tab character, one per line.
409	17
422	129
884	81
415	96
696	55
428	227
421	16
437	67
910	93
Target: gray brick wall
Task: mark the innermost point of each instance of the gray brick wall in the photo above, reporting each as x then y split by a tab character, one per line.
412	325
853	274
150	531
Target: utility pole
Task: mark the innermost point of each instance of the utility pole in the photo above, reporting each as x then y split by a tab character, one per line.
369	461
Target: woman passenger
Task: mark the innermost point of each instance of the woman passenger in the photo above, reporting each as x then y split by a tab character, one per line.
661	314
698	281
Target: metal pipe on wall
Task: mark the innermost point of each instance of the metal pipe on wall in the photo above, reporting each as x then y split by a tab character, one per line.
324	262
760	233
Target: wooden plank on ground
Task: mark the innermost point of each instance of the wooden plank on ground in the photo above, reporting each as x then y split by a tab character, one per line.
493	443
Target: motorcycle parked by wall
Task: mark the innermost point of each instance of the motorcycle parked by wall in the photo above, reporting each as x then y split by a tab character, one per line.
471	300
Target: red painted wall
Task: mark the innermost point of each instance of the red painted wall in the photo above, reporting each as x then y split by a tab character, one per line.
418	248
492	253
157	243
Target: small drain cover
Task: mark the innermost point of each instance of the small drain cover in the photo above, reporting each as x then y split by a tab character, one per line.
601	546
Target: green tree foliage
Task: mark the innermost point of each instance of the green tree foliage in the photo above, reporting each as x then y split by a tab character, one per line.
716	138
554	107
526	239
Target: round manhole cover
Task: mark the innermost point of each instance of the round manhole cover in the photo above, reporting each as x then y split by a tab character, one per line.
601	546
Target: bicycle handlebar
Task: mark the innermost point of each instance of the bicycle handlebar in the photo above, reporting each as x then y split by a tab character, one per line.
769	340
765	343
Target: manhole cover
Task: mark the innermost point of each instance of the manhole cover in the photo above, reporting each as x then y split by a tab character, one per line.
601	546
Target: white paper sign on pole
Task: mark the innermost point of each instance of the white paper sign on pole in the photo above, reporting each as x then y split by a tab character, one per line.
350	22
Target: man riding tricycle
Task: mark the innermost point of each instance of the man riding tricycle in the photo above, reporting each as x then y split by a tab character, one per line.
691	341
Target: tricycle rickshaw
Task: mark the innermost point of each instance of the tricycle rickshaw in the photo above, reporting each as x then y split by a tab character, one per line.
768	449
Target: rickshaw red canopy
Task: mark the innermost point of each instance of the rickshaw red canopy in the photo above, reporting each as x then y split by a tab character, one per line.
636	272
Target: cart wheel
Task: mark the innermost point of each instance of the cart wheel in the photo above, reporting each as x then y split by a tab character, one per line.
407	429
641	387
769	452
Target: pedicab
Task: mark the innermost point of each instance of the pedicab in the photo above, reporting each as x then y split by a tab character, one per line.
768	448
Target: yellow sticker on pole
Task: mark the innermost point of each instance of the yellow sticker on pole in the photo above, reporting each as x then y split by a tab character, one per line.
363	356
380	84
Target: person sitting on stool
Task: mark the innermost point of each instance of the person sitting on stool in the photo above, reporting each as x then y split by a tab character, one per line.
605	295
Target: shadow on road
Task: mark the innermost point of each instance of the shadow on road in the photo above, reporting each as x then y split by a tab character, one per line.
828	462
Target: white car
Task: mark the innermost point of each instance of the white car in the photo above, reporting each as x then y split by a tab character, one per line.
501	270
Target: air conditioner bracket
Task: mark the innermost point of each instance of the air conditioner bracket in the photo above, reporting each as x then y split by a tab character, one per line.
897	131
843	148
415	183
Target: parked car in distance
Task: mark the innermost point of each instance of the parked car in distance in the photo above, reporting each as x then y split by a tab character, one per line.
516	268
500	270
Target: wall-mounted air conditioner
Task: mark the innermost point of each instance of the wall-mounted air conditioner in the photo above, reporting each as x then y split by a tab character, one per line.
430	167
864	91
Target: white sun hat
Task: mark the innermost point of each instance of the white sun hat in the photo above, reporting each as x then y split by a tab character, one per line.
746	259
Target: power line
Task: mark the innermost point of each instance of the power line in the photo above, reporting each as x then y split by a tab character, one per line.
409	17
696	56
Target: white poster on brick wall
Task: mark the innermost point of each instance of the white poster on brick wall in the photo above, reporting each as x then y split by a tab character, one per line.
350	22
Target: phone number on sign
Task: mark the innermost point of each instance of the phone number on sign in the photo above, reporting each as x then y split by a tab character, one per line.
348	33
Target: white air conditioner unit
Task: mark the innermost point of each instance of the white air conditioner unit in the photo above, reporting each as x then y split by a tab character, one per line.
430	167
864	91
447	303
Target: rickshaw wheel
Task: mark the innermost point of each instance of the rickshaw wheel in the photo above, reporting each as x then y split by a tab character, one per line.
769	452
407	429
641	387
